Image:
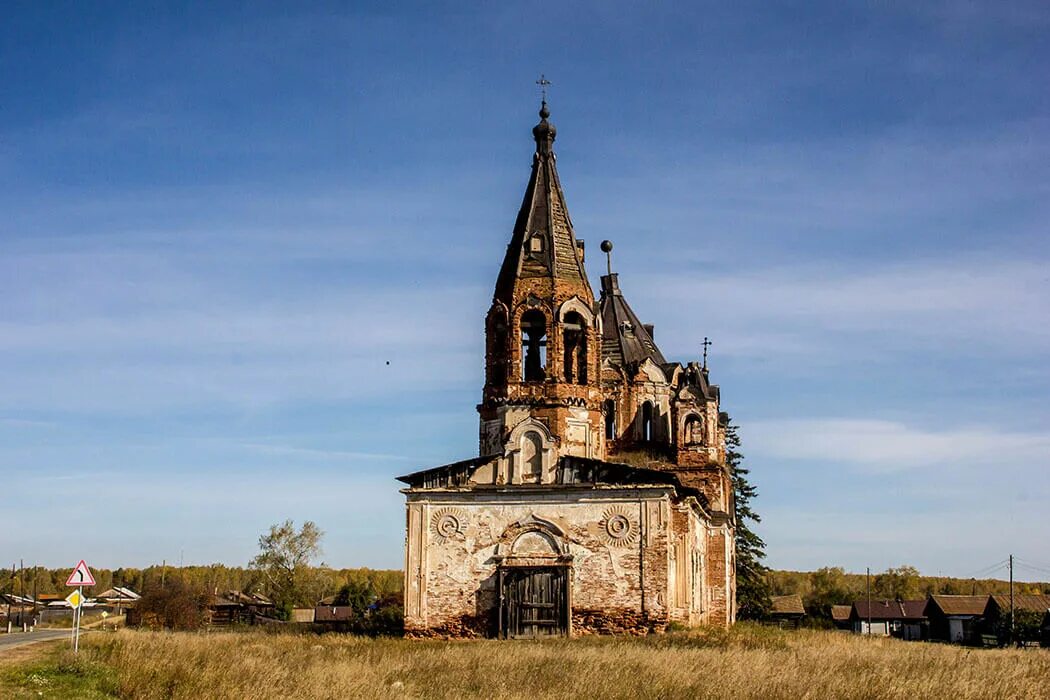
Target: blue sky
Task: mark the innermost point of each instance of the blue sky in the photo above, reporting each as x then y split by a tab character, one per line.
220	223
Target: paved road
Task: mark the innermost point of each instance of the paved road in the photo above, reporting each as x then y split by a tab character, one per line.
17	639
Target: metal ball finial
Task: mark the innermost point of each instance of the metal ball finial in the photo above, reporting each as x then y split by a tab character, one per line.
606	247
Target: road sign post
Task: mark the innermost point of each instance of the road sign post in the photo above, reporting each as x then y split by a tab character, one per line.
80	577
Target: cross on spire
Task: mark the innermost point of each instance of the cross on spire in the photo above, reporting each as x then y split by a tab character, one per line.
543	83
707	343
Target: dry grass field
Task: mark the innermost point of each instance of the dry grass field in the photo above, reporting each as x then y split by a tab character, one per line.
746	662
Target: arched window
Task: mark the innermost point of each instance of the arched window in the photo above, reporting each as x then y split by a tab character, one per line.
694	430
610	419
533	346
498	357
575	346
647	421
531	456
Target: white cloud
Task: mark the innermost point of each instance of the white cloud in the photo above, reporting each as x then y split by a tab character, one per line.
888	446
957	307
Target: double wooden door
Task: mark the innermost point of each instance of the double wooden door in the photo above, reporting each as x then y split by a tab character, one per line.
534	602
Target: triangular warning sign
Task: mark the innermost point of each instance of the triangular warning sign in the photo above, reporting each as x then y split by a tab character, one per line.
81	576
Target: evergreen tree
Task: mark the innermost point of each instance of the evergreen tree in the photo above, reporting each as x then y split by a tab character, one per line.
752	576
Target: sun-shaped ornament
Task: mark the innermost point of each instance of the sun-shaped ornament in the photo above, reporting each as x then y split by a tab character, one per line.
617	528
447	524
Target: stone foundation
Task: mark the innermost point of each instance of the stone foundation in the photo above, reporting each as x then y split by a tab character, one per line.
616	621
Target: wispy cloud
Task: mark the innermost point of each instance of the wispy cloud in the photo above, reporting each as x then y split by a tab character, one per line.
955	306
890	446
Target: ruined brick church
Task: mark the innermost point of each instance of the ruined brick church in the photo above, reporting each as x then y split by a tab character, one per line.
601	501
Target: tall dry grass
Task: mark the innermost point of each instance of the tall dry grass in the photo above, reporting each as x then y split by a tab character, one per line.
746	662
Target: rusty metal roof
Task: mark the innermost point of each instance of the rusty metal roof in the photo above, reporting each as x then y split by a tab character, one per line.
786	605
625	339
890	609
959	604
840	613
1022	601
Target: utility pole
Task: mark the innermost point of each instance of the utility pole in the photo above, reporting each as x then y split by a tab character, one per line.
22	585
868	579
9	599
1011	599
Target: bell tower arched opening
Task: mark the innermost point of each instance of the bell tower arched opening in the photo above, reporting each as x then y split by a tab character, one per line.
533	346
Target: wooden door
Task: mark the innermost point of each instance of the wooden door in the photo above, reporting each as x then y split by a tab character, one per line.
534	602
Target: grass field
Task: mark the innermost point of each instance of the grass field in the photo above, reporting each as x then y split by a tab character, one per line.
746	662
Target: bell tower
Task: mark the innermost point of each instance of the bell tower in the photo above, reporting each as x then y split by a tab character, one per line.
542	390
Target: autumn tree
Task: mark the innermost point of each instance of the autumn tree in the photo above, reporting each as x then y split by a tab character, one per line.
176	605
284	559
902	583
752	583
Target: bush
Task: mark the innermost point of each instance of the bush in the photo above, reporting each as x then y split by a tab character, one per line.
175	606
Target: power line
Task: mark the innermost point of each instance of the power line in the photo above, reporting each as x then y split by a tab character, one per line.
1030	567
987	569
1034	564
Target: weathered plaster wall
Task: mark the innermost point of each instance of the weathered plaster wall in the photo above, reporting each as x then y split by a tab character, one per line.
618	576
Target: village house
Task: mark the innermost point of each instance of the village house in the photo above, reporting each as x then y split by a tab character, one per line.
897	618
117	598
996	615
600	501
955	618
840	616
786	610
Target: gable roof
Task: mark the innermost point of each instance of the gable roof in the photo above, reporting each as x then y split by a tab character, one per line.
786	605
840	613
119	593
1024	601
958	604
890	609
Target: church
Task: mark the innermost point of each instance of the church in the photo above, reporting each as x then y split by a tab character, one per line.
600	502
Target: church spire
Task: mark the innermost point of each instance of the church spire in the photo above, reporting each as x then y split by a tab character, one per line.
542	244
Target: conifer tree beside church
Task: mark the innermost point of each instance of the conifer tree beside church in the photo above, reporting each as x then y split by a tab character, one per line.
752	576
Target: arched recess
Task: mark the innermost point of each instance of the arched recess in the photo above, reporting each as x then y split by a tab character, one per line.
497	332
577	305
693	430
533	346
609	409
532	533
647	421
529	452
531	457
574	348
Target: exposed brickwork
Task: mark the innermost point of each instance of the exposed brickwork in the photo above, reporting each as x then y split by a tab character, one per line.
635	555
616	621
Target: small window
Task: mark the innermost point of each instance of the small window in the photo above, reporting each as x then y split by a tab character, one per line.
536	244
610	419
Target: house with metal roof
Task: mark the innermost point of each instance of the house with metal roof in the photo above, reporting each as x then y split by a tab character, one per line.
998	609
889	618
955	618
787	610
